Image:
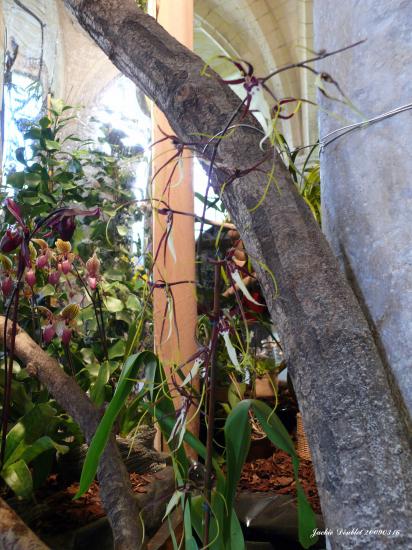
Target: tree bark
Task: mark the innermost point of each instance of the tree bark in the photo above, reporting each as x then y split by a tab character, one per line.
116	493
14	534
359	442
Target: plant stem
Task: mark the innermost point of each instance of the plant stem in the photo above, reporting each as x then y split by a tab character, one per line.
103	330
8	374
211	403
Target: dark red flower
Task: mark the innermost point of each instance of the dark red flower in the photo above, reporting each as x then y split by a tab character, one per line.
11	240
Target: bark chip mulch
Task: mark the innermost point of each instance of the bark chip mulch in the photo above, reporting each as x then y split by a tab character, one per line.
275	475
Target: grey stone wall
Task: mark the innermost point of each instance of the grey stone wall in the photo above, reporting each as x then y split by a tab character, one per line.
366	175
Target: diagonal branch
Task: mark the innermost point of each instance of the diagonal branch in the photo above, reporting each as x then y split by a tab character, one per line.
115	489
14	533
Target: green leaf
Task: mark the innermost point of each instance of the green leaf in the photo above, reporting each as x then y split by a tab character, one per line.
278	434
33	178
40	446
117	350
31	427
52	145
122	230
16	179
124	386
57	105
18	478
33	133
190	543
113	304
273	427
45	122
97	390
173	502
47	290
237	436
133	303
306	519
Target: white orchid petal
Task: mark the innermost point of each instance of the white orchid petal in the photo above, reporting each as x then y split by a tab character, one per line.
193	371
180	172
230	349
173	502
258	103
242	287
171	245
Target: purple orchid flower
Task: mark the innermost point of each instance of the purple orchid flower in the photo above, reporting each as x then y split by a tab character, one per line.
63	222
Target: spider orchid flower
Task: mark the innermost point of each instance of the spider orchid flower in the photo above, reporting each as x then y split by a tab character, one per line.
254	101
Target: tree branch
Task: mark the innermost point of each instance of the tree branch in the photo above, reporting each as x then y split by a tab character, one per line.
14	534
115	489
347	403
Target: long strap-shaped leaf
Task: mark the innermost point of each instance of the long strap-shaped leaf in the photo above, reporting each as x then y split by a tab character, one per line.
132	366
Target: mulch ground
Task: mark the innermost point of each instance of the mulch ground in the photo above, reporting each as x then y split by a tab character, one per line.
275	475
61	513
271	475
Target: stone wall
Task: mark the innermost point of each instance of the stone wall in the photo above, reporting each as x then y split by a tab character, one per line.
366	187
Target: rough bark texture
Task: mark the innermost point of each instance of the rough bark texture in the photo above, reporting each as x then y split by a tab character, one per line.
358	441
115	489
14	534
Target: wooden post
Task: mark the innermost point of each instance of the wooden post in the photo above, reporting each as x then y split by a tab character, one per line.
175	346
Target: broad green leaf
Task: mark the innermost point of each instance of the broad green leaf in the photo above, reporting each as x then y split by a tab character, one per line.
57	105
190	543
47	290
18	478
45	122
117	350
306	519
40	446
273	427
113	304
31	427
124	386
97	390
122	230
52	145
33	178
278	434
237	436
16	179
133	303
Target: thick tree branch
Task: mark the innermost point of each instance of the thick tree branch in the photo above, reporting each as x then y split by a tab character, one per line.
115	489
359	443
14	534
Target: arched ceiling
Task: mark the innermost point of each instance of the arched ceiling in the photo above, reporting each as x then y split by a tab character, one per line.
267	33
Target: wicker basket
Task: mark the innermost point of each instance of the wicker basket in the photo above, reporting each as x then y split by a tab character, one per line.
302	446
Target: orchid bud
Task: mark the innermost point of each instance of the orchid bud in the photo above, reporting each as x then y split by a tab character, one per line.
65	227
42	261
92	282
66	266
66	336
49	333
31	278
54	277
11	240
93	266
7	286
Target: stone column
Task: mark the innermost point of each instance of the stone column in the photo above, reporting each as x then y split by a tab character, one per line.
174	335
366	175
